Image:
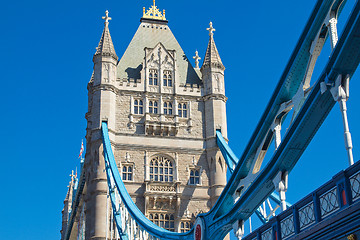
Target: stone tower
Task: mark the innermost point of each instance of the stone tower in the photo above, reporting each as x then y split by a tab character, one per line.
162	116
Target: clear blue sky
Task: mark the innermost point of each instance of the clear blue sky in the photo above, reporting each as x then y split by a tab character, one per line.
46	63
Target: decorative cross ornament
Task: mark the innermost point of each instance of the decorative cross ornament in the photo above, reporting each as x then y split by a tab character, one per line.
107	18
197	58
211	29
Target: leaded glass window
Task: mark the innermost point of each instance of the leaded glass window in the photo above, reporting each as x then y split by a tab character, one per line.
127	172
138	107
153	77
182	110
167	78
194	177
161	169
168	108
163	220
153	107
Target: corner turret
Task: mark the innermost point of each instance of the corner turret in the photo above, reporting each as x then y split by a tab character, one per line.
105	58
215	114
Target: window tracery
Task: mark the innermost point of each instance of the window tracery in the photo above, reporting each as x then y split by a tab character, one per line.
168	108
183	110
163	220
186	226
153	77
127	172
161	169
167	78
194	177
138	107
153	107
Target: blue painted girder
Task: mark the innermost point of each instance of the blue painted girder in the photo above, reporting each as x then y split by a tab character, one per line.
288	85
134	211
344	60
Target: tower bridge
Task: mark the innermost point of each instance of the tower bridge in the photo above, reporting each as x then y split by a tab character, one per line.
156	144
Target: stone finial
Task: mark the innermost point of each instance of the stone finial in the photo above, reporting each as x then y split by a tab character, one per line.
211	29
107	18
197	58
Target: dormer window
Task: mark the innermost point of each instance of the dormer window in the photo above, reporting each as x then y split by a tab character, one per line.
153	107
167	78
153	77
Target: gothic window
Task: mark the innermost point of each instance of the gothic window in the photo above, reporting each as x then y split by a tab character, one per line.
185	226
153	107
194	177
138	107
163	220
182	110
161	169
168	108
153	77
167	78
127	172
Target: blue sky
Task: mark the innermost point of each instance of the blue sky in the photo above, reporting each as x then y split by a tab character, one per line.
47	50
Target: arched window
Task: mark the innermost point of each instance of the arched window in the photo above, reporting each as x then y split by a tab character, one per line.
153	107
167	78
168	108
161	169
185	226
138	107
127	173
153	77
163	220
194	177
182	110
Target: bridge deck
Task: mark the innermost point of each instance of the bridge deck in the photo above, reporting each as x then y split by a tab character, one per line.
330	212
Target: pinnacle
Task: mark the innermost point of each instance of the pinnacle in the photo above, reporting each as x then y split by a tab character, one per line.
106	46
212	57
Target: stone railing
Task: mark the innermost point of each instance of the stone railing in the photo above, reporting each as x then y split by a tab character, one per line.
162	187
340	193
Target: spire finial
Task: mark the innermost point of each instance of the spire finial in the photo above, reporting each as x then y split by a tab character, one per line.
197	58
154	13
106	18
211	29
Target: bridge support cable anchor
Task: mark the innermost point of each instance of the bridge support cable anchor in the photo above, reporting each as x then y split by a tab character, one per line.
340	93
281	185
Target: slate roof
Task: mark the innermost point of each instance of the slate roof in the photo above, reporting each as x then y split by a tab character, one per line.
149	34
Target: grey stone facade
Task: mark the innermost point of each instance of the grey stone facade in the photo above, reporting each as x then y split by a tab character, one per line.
154	69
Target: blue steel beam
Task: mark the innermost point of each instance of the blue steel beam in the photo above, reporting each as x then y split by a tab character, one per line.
288	85
134	211
344	60
232	160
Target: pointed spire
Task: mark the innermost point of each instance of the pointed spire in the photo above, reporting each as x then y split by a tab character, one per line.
106	46
212	57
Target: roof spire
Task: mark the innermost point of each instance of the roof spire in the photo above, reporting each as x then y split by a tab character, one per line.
212	57
106	46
